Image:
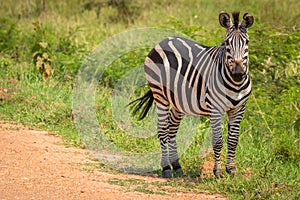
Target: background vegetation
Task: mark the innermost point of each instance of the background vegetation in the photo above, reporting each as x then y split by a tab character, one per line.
43	44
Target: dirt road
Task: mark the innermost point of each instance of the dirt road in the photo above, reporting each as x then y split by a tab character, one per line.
36	165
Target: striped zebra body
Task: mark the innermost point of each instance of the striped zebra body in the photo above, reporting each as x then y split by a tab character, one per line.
186	77
196	82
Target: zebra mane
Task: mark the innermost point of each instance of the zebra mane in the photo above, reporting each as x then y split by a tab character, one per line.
235	16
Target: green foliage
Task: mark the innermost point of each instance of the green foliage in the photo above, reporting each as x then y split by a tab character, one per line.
122	65
5	63
68	54
277	61
193	31
52	55
8	37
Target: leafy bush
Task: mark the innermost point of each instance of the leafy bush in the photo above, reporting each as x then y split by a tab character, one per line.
8	36
275	57
68	54
58	56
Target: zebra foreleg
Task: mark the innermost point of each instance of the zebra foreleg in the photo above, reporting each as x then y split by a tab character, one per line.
234	120
217	143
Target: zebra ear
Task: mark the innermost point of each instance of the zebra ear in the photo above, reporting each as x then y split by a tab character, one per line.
225	20
247	21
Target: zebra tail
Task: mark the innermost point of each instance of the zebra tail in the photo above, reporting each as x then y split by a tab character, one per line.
145	102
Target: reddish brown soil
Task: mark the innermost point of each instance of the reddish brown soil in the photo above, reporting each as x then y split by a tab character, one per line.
36	165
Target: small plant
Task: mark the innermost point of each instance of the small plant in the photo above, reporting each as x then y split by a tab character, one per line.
41	53
43	63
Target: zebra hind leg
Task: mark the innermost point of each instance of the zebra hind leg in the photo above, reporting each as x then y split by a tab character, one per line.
170	158
165	163
163	129
174	122
173	157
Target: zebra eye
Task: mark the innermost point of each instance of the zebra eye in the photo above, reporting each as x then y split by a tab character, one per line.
229	59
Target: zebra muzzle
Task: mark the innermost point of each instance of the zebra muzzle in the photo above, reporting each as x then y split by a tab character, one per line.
238	73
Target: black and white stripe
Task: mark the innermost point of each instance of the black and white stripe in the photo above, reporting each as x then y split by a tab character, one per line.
186	77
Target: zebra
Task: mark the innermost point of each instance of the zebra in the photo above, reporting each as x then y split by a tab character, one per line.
188	78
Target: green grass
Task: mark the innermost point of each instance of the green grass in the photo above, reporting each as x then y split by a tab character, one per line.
269	145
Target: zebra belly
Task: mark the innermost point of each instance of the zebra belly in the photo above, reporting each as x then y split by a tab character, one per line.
191	103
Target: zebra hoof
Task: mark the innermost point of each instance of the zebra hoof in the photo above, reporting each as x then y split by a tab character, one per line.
167	173
231	170
218	173
178	172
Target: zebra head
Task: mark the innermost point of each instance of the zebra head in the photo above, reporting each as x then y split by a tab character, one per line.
236	44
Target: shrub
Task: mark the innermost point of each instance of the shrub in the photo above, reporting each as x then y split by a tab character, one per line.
8	36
